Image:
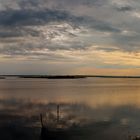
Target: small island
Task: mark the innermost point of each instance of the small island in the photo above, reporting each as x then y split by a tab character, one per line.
2	77
54	76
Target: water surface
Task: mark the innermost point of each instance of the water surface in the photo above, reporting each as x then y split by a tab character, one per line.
108	107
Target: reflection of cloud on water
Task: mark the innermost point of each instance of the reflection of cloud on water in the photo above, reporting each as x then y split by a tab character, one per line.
92	91
22	117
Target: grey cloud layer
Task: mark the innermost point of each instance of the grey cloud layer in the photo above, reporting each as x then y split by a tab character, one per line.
26	25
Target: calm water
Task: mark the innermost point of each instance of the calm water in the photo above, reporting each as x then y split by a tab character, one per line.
109	108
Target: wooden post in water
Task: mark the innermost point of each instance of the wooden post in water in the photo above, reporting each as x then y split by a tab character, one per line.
58	113
41	119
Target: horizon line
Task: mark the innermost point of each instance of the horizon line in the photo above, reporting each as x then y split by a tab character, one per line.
68	75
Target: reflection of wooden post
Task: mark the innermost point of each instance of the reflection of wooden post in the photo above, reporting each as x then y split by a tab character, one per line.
58	111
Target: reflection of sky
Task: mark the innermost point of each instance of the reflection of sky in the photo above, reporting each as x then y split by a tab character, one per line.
103	122
105	107
92	91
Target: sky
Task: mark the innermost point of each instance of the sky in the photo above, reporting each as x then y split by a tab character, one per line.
98	37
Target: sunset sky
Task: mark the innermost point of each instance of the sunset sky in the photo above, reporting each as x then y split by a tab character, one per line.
70	37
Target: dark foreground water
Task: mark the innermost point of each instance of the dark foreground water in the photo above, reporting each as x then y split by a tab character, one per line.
103	108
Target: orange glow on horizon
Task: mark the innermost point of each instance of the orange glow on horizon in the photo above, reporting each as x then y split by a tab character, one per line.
107	71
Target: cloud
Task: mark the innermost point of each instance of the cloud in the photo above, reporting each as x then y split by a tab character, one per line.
124	8
104	26
31	17
16	32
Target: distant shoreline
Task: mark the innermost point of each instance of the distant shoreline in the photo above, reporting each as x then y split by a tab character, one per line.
65	76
